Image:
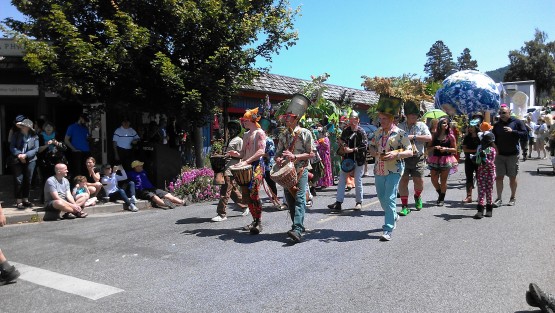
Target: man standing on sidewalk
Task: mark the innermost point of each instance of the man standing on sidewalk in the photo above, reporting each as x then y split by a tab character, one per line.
415	165
8	273
508	131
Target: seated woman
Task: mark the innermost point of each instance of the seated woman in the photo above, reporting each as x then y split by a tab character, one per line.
110	184
93	177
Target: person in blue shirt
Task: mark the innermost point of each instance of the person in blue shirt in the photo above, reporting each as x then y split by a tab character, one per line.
147	191
77	140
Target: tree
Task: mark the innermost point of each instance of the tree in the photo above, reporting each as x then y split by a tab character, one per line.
440	62
465	62
534	61
178	57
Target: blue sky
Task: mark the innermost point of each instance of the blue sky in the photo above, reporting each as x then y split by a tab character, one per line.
351	38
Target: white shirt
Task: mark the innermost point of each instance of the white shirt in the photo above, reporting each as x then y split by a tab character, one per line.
110	183
124	137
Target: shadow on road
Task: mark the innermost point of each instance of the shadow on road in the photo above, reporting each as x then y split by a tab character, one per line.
449	217
237	235
332	235
347	212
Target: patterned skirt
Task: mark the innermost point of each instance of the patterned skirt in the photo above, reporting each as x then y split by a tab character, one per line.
445	162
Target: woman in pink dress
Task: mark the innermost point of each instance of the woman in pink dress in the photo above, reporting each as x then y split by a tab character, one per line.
323	147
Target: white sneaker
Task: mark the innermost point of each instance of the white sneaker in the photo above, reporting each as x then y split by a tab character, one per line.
91	202
396	219
386	236
246	212
358	206
133	208
219	218
133	200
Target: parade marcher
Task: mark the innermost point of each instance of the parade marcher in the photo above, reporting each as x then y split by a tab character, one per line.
389	146
77	140
123	140
230	189
296	145
441	158
507	131
354	145
254	145
485	171
323	146
415	165
269	158
470	144
530	128
24	146
8	273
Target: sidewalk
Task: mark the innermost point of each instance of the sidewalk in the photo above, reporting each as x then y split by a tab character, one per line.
37	214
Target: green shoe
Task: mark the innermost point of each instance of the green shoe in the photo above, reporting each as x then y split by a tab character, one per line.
404	211
418	203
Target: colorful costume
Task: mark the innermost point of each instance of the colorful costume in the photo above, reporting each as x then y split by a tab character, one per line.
323	146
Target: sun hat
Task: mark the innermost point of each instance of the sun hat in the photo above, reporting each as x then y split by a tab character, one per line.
27	123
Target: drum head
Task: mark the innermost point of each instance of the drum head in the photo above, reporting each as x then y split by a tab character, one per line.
347	165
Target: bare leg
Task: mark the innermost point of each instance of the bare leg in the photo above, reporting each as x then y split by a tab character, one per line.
499	186
513	184
174	199
444	175
81	200
158	201
434	176
404	186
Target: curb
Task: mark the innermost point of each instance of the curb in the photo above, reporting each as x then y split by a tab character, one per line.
37	214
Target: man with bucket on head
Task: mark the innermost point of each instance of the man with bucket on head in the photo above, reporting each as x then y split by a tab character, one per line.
389	146
354	144
296	145
254	145
415	165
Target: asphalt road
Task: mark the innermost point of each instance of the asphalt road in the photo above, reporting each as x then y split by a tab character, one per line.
440	259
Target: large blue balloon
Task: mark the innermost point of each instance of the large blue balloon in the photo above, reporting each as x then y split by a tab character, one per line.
468	92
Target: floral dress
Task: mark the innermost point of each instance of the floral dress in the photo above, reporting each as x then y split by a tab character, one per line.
323	147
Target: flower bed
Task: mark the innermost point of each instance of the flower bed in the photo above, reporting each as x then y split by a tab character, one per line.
195	184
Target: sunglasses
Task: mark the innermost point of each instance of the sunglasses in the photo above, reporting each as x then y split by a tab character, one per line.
502	112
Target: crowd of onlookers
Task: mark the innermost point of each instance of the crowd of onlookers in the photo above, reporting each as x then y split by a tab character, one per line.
39	154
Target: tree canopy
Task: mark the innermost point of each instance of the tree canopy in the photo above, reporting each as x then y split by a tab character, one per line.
534	61
179	57
465	62
440	62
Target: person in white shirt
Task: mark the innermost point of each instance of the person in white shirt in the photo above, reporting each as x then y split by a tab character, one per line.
123	140
110	184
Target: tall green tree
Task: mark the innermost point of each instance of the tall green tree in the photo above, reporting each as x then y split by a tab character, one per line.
440	62
178	57
534	61
465	62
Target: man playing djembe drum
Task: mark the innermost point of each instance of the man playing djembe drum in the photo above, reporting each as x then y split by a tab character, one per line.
254	145
296	145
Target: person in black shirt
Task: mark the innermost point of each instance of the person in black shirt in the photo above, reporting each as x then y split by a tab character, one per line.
508	131
470	144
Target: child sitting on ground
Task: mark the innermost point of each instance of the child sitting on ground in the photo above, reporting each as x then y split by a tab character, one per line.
81	193
110	184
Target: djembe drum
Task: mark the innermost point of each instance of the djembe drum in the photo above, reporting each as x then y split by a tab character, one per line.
285	176
218	166
242	174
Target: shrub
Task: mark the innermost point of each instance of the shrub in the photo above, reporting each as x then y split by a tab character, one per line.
195	184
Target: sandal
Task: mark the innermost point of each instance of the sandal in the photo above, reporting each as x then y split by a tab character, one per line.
81	214
68	216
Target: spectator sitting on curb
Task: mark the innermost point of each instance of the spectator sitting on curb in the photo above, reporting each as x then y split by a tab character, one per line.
81	193
110	184
57	194
147	191
8	273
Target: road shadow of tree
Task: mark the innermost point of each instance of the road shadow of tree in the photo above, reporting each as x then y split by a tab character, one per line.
237	235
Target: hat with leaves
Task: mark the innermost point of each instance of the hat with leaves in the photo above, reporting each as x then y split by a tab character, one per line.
411	107
389	105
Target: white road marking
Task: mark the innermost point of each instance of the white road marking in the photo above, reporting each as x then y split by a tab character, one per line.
65	283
